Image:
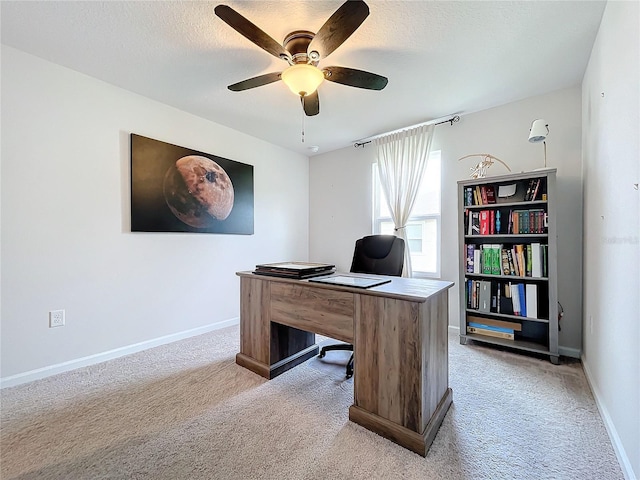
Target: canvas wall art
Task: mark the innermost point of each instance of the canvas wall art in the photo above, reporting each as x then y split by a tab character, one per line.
177	189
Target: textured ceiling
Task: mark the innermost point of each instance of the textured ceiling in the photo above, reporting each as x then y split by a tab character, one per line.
441	57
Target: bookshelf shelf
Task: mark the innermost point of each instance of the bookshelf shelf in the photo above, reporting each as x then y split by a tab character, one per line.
507	204
516	344
506	316
508	261
509	277
506	235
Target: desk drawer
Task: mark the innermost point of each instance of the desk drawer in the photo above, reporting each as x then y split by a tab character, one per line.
324	311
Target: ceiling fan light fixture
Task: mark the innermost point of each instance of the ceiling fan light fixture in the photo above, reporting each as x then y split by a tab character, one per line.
302	79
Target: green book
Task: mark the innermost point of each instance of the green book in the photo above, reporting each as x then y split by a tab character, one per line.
496	259
487	255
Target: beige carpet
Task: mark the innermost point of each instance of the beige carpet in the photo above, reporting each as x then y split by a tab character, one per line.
187	411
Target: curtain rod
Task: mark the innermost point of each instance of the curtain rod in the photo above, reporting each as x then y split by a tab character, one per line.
452	120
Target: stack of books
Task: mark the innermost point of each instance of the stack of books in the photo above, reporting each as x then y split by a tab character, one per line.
492	328
295	270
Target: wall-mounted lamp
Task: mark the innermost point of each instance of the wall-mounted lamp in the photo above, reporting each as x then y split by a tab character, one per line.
302	79
538	133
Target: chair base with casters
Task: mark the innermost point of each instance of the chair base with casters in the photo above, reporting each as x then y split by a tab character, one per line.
340	346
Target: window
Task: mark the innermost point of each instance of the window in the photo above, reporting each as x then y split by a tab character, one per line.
423	227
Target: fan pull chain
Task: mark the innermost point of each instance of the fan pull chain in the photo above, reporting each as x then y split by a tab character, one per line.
303	115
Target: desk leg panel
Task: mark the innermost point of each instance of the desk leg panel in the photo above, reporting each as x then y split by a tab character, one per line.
254	319
388	360
436	355
407	438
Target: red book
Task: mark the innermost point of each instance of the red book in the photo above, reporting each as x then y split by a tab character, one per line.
484	222
491	194
492	222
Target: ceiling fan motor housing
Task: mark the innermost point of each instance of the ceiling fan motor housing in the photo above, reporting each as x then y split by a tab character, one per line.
296	43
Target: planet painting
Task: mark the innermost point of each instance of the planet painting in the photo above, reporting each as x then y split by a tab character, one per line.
198	190
178	189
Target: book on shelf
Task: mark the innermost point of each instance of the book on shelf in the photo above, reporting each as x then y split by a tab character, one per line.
484	222
474	223
536	260
515	298
512	265
527	195
484	300
532	189
494	296
468	196
514	259
515	326
491	194
490	333
490	327
487	253
473	294
478	195
477	260
522	299
483	192
531	293
496	264
504	258
534	195
470	250
521	260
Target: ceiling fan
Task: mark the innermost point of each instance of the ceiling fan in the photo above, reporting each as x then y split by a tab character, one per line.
303	50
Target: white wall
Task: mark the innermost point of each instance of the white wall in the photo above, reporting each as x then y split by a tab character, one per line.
340	190
611	145
66	240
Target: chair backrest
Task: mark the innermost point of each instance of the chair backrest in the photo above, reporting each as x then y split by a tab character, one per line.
379	255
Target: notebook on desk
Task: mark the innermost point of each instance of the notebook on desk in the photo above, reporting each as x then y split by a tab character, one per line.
357	282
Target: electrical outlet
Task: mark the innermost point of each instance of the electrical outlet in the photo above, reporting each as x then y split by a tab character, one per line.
56	318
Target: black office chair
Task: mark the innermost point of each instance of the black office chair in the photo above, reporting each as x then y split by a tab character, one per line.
374	254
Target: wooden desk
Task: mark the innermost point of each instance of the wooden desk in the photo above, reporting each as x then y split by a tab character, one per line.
399	332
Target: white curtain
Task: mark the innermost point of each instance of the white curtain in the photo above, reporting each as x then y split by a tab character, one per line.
402	159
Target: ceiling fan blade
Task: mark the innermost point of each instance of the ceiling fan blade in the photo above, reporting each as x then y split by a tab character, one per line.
355	78
311	104
251	32
255	82
338	28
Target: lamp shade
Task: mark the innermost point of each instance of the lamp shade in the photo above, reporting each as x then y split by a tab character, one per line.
539	131
302	79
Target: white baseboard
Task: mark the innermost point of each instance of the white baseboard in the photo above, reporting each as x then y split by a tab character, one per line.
44	372
569	352
618	448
